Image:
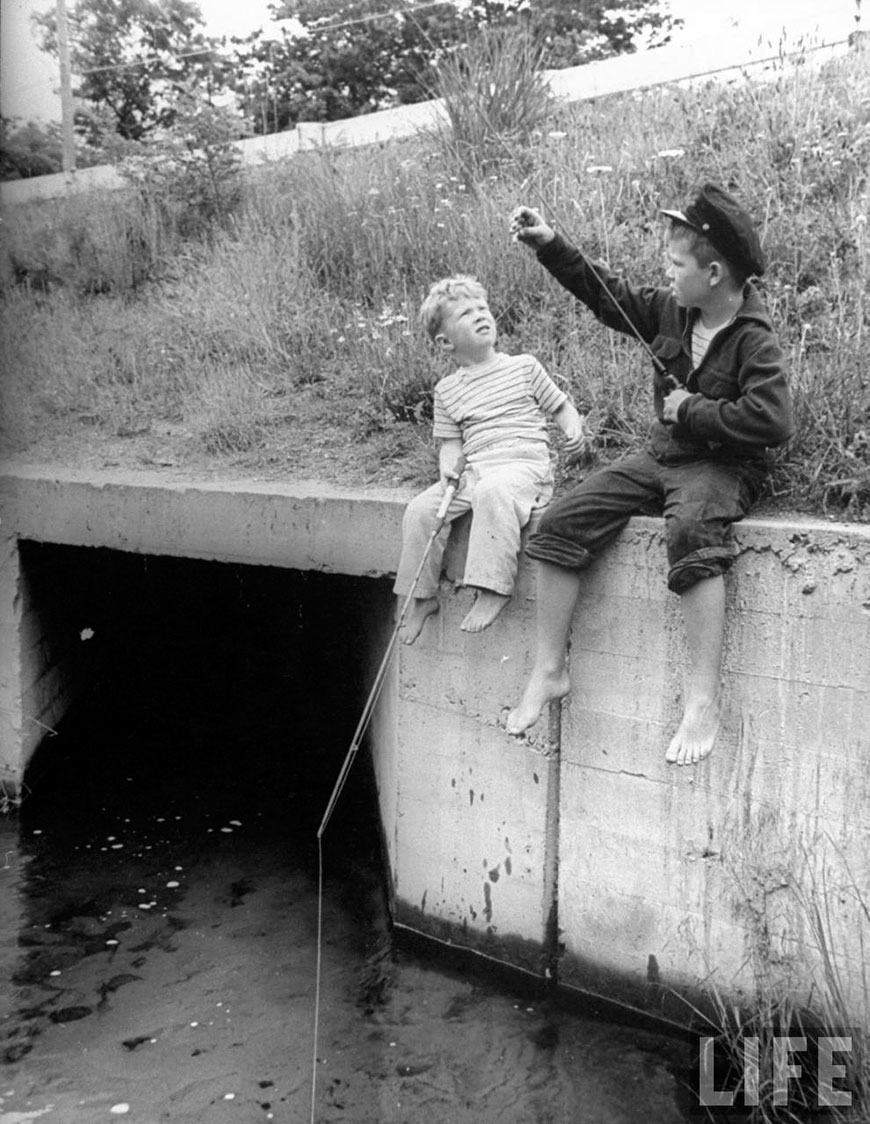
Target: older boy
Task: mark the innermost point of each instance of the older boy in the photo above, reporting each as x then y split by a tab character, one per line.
492	411
720	398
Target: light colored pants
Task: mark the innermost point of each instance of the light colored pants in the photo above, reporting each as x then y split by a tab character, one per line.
502	486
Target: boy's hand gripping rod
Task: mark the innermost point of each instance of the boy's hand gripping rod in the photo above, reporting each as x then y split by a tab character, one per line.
453	479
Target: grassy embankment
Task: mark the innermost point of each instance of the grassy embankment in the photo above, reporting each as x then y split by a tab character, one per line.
288	337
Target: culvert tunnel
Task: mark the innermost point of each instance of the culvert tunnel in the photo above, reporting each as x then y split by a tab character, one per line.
236	683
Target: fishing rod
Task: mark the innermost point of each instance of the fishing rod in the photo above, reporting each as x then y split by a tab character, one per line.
453	480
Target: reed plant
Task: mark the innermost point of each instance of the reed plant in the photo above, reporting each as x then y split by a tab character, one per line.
806	923
110	312
495	96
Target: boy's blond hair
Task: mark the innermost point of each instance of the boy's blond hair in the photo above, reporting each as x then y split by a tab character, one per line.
443	293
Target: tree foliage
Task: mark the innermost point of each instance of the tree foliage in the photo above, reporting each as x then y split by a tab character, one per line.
341	58
34	149
28	150
133	57
345	63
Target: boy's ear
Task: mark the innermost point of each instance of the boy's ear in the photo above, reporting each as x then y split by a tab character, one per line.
717	272
443	342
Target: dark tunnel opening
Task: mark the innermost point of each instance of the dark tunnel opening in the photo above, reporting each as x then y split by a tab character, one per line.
214	690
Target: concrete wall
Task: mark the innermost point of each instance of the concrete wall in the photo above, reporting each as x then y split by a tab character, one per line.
457	778
645	882
690	874
737	872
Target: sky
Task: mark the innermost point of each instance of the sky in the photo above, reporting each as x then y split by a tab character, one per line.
29	78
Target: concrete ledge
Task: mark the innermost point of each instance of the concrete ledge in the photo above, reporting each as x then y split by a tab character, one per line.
305	526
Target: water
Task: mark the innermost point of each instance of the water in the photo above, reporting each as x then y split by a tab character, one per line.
159	908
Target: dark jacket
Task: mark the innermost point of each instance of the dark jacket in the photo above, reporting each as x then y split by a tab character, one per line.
740	402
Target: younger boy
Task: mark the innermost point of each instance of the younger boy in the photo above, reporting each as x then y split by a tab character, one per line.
720	399
492	411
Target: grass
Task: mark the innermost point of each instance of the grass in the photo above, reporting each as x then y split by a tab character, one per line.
805	916
305	296
781	1003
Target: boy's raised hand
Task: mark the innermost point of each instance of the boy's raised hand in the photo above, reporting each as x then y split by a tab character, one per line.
528	226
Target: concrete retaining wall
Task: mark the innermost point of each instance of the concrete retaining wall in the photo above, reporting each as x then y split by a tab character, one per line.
579	851
736	873
709	873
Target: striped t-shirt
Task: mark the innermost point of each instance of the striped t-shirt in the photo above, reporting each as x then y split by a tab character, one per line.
506	397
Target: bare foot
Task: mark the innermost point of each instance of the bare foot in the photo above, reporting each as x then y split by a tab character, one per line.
541	689
697	733
487	606
420	609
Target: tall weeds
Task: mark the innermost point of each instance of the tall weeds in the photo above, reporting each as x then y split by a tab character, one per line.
806	923
316	278
495	96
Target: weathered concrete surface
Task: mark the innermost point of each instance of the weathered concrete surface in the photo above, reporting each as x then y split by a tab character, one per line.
475	810
306	526
709	873
735	872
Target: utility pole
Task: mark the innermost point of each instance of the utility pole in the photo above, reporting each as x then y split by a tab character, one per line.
66	98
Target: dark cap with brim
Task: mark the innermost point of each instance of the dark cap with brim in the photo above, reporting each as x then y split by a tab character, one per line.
727	227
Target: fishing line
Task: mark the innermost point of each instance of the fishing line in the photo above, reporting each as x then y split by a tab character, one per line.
317	974
453	481
548	206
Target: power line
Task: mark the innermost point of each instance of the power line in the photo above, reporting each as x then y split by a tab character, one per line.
384	15
370	18
144	62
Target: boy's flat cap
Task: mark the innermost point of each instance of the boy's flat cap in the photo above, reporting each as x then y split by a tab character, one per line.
726	226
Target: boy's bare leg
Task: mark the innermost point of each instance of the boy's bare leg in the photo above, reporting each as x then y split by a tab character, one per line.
558	589
487	606
704	615
420	609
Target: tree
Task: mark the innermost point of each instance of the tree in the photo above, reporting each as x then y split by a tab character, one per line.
133	57
33	149
344	62
29	150
347	57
